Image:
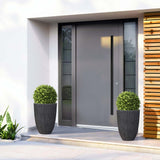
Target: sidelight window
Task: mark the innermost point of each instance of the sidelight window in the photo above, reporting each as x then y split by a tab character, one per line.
130	49
66	72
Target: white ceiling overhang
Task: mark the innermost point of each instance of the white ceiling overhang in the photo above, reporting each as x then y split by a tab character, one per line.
94	16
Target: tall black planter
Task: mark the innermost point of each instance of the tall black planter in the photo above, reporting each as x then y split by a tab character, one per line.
45	115
128	122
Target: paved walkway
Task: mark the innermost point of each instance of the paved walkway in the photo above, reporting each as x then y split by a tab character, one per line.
95	138
23	150
91	134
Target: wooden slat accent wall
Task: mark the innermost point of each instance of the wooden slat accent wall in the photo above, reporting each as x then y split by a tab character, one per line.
152	75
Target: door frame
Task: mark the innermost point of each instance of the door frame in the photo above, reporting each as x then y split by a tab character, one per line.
73	121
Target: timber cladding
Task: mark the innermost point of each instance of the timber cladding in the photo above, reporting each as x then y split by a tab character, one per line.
152	75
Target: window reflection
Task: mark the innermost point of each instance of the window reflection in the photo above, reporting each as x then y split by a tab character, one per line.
130	56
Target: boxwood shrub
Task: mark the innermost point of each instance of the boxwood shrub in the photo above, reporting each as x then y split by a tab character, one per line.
45	94
128	101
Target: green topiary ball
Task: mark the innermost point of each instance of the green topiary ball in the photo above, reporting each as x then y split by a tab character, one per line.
45	94
128	101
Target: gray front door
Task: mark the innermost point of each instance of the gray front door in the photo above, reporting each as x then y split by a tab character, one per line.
99	72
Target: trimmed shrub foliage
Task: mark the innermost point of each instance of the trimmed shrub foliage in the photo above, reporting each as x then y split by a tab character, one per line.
45	94
128	101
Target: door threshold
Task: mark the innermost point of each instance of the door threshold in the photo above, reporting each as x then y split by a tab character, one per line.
108	128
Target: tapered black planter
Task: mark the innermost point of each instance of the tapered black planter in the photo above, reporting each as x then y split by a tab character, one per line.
128	122
45	115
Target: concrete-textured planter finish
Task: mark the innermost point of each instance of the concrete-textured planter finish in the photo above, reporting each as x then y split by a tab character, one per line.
45	115
128	122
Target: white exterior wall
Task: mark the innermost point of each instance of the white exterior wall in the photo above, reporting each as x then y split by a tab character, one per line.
13	73
38	62
53	58
21	72
42	60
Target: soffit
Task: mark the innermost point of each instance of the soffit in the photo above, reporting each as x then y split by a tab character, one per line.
93	16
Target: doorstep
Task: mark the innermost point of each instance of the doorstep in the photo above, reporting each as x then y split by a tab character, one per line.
93	138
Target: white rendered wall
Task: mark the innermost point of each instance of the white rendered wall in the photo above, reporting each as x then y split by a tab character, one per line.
38	62
53	58
13	69
42	60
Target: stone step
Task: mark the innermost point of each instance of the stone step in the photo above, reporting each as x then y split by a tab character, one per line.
92	143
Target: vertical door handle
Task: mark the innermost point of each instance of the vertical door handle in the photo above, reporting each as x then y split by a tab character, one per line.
111	75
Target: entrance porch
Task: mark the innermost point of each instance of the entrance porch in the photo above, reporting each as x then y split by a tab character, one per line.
94	138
